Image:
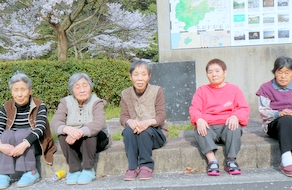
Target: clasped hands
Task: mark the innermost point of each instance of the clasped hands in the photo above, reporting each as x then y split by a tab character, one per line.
202	125
14	151
139	126
73	134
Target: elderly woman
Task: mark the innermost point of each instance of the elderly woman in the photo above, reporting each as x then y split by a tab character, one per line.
275	107
218	112
24	133
80	124
143	116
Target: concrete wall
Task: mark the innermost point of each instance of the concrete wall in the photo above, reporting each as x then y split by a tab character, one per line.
247	66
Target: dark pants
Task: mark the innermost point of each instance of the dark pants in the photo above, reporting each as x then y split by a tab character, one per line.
81	154
281	130
139	146
23	163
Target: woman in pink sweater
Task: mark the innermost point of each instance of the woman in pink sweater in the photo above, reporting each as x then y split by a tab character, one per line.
218	112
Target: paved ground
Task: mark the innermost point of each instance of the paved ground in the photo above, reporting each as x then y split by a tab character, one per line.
252	179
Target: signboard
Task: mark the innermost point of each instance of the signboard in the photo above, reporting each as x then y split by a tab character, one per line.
221	23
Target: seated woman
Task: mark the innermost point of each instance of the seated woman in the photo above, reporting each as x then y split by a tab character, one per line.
275	107
143	116
24	128
218	112
80	124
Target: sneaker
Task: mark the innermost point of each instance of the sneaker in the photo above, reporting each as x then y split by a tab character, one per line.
28	179
145	173
86	177
286	170
72	178
4	181
232	167
131	174
213	168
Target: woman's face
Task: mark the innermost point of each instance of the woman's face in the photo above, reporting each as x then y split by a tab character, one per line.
21	93
283	76
216	75
81	90
140	78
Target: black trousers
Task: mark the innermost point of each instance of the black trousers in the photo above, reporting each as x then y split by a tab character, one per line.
281	130
139	146
81	154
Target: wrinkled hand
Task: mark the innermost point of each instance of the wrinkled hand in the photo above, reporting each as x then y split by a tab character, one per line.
285	112
142	126
7	149
232	122
20	149
132	123
70	140
73	132
139	126
202	127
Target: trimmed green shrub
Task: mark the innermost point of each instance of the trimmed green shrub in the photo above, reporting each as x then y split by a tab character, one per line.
50	78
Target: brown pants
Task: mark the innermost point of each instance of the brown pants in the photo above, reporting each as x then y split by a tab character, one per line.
82	154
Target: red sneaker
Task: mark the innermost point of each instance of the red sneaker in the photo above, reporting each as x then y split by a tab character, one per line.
286	170
131	175
145	173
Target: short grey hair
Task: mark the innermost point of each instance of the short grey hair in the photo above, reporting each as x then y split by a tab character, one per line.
138	63
19	76
76	77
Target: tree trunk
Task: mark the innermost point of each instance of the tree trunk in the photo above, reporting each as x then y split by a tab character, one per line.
62	43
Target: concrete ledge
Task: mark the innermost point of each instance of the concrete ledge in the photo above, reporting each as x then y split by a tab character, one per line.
257	151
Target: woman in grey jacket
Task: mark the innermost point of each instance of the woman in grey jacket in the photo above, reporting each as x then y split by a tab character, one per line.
80	124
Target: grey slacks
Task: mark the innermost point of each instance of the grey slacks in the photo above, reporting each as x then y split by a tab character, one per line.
219	133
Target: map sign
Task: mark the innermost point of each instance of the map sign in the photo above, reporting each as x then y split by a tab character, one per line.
219	23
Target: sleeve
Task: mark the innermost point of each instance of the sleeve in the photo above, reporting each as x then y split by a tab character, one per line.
196	108
160	108
94	127
241	109
3	120
124	115
58	121
41	121
267	113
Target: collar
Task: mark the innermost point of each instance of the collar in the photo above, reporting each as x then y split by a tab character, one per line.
140	94
276	86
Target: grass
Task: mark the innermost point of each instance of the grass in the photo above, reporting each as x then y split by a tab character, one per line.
112	111
174	130
117	137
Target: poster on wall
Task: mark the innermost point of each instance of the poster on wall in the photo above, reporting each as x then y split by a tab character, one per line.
223	23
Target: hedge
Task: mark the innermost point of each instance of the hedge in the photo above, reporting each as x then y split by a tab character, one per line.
50	78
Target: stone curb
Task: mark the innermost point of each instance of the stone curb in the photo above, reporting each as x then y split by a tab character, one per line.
257	151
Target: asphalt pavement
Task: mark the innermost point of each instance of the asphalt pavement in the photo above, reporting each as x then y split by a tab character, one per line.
251	179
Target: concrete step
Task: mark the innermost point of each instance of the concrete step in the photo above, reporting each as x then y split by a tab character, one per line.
257	151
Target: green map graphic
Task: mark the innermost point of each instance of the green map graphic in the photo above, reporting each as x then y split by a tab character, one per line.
192	15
